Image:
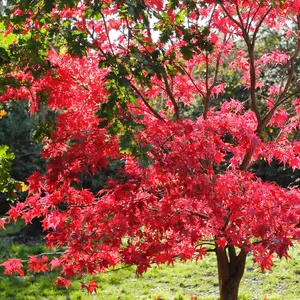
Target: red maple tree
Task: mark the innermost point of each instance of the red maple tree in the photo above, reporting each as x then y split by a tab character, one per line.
187	184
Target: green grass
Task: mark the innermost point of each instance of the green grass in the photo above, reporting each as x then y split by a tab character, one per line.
177	282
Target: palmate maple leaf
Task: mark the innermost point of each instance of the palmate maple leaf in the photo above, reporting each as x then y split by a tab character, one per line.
35	183
13	265
294	163
263	258
91	287
38	265
15	211
55	263
61	281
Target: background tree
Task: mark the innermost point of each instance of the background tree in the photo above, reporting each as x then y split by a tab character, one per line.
18	131
186	186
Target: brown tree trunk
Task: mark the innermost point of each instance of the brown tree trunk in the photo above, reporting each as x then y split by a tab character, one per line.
230	271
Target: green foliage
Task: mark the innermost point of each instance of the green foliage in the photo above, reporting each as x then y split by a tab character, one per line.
7	184
17	129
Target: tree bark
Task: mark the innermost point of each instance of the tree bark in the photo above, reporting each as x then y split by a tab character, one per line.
230	271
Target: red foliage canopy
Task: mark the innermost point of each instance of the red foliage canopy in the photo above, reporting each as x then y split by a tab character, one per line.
198	186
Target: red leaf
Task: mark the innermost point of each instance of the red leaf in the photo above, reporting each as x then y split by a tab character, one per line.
13	265
213	38
15	211
295	163
35	183
222	242
162	258
91	287
62	282
55	263
2	222
38	264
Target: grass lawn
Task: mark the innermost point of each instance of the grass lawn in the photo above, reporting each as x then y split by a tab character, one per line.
177	282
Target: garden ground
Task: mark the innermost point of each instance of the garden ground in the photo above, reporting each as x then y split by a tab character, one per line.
178	282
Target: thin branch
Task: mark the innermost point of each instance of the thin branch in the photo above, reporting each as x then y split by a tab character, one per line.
170	94
231	17
259	24
240	17
166	140
154	112
211	17
210	250
129	35
44	253
252	19
144	110
250	47
282	98
206	73
292	65
192	80
188	211
198	215
50	253
216	71
209	89
107	33
91	34
248	17
254	105
270	113
78	83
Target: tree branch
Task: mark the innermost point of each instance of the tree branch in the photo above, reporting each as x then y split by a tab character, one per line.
259	24
154	112
192	80
209	89
230	16
232	255
282	98
170	94
106	31
248	22
250	47
198	215
239	16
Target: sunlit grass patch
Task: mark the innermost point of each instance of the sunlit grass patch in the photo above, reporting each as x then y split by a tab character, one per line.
168	282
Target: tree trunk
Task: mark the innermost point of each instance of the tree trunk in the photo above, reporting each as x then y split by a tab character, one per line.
230	271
